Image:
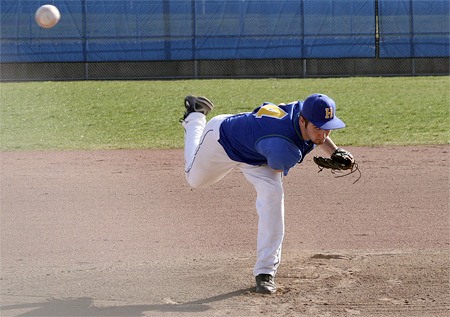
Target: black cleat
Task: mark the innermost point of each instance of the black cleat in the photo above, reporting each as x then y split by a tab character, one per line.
197	104
265	284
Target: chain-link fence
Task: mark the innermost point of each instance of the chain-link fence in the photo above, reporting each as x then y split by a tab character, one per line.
282	68
161	39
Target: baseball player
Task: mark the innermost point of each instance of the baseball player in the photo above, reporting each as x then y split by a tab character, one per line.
264	144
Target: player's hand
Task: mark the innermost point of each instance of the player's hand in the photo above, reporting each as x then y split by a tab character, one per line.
343	157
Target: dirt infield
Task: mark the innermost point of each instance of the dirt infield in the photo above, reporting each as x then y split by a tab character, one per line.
119	233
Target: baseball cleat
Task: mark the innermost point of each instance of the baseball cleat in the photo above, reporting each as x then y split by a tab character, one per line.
197	104
265	284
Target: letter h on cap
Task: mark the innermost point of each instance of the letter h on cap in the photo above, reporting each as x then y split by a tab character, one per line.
328	113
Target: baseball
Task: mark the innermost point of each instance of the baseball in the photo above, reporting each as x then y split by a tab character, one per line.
47	16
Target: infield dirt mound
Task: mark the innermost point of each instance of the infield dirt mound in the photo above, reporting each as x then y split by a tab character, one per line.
119	233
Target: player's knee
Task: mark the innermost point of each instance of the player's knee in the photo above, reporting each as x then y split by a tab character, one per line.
192	181
194	185
273	192
278	191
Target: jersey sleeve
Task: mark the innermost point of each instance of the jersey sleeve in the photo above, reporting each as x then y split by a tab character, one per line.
281	154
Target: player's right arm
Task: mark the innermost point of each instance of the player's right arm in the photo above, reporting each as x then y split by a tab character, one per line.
280	153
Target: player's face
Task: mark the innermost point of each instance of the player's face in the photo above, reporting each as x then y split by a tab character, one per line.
316	135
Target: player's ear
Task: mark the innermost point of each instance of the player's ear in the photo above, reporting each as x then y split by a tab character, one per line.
304	121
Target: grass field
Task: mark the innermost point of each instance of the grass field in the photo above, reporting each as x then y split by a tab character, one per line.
144	114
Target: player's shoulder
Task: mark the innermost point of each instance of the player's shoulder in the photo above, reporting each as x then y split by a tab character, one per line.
283	104
292	104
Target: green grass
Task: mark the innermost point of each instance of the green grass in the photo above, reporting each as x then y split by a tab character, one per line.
144	114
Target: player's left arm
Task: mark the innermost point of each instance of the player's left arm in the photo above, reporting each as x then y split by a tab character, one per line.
328	146
338	154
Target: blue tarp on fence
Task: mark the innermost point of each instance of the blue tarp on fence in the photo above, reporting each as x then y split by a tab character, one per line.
414	28
155	30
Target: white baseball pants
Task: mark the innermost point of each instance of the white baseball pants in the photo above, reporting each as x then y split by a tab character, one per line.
206	162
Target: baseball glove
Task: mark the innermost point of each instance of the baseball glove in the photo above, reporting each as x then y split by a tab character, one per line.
341	160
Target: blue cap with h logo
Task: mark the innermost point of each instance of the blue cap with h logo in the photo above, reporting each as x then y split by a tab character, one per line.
320	110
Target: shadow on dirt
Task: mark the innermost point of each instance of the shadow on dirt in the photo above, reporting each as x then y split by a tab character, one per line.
85	307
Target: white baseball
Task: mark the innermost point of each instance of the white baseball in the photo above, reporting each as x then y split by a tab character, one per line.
47	16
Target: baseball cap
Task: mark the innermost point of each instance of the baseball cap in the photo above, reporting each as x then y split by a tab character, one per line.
321	111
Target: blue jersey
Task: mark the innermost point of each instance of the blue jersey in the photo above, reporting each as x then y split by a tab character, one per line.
269	135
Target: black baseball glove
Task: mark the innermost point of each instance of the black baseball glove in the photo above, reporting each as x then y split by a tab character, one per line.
340	160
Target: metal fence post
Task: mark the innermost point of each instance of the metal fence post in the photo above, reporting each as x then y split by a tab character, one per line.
84	38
